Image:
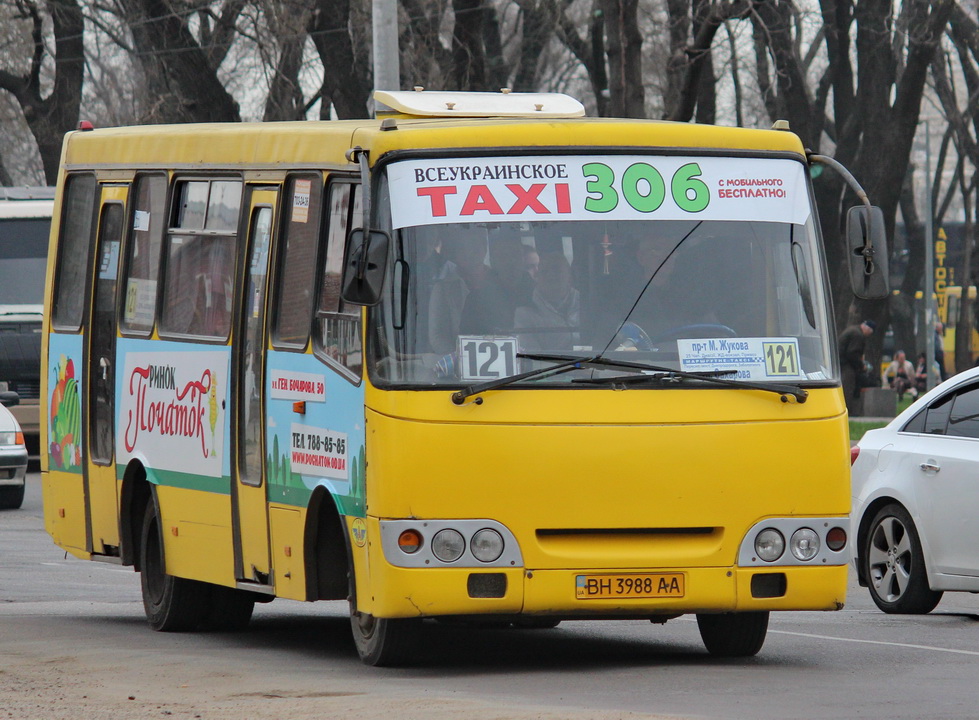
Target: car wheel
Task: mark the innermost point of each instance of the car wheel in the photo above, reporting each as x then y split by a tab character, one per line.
894	564
733	634
11	498
172	604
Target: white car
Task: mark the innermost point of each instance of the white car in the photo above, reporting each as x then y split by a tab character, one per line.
13	456
915	486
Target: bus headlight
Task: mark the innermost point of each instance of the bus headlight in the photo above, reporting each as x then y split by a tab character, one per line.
769	545
804	544
486	545
448	545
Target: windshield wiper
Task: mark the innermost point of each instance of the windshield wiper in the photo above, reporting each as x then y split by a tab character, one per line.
678	376
653	373
658	373
565	364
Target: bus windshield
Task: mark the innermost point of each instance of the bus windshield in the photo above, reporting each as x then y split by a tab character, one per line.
736	293
23	258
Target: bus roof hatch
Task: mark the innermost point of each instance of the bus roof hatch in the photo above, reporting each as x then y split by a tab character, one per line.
423	103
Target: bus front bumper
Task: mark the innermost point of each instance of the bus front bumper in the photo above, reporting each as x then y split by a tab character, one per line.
410	592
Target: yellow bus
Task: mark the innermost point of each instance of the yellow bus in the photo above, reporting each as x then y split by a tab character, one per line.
477	357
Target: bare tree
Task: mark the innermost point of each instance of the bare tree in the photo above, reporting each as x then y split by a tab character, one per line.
181	68
49	116
346	81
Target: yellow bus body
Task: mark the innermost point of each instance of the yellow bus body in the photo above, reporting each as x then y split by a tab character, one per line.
590	481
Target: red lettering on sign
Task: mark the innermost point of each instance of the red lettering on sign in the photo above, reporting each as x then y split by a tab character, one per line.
182	417
480	197
563	198
527	198
437	197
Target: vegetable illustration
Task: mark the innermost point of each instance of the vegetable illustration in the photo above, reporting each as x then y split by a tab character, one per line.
66	417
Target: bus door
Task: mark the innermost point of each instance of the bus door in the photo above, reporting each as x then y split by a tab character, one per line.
250	495
101	488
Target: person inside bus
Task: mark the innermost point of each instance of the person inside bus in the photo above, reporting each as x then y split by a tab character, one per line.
900	376
674	282
555	304
464	269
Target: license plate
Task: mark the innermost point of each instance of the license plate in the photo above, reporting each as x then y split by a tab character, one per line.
597	587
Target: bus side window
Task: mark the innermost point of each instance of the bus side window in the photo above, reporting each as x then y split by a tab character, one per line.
296	275
199	279
77	230
337	327
142	266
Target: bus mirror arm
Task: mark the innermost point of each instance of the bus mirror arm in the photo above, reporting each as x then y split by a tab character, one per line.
365	256
865	236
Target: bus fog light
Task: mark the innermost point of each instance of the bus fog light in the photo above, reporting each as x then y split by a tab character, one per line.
804	544
769	545
486	545
448	545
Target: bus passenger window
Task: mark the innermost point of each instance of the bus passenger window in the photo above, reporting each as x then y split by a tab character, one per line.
337	328
143	253
296	274
199	283
73	256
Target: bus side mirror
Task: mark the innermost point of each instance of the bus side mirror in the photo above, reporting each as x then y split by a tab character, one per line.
867	252
363	266
9	398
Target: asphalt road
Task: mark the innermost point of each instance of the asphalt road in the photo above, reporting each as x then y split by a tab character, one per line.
73	644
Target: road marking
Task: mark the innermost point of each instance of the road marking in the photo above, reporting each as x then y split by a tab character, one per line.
876	642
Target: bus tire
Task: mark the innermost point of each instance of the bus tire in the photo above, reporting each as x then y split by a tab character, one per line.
11	498
230	610
384	642
733	634
171	604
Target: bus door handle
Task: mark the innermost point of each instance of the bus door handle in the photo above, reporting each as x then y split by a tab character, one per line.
930	466
104	367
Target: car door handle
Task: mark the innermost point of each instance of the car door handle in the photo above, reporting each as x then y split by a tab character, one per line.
930	466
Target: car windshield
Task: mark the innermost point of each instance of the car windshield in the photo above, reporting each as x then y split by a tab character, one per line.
469	301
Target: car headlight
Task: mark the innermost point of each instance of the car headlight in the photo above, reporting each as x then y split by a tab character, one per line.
486	545
769	545
804	544
11	437
448	545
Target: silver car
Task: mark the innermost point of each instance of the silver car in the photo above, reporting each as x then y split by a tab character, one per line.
915	489
13	455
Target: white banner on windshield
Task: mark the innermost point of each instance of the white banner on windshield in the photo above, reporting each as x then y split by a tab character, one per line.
607	187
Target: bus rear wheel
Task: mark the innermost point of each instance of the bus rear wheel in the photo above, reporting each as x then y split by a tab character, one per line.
171	604
229	610
733	634
384	642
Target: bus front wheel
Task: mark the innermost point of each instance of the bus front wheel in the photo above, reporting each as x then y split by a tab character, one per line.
172	604
383	642
733	634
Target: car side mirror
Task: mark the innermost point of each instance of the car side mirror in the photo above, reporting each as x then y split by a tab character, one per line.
363	266
8	398
867	252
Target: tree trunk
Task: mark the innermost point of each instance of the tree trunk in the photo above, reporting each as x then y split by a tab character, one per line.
49	118
347	91
624	51
183	81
